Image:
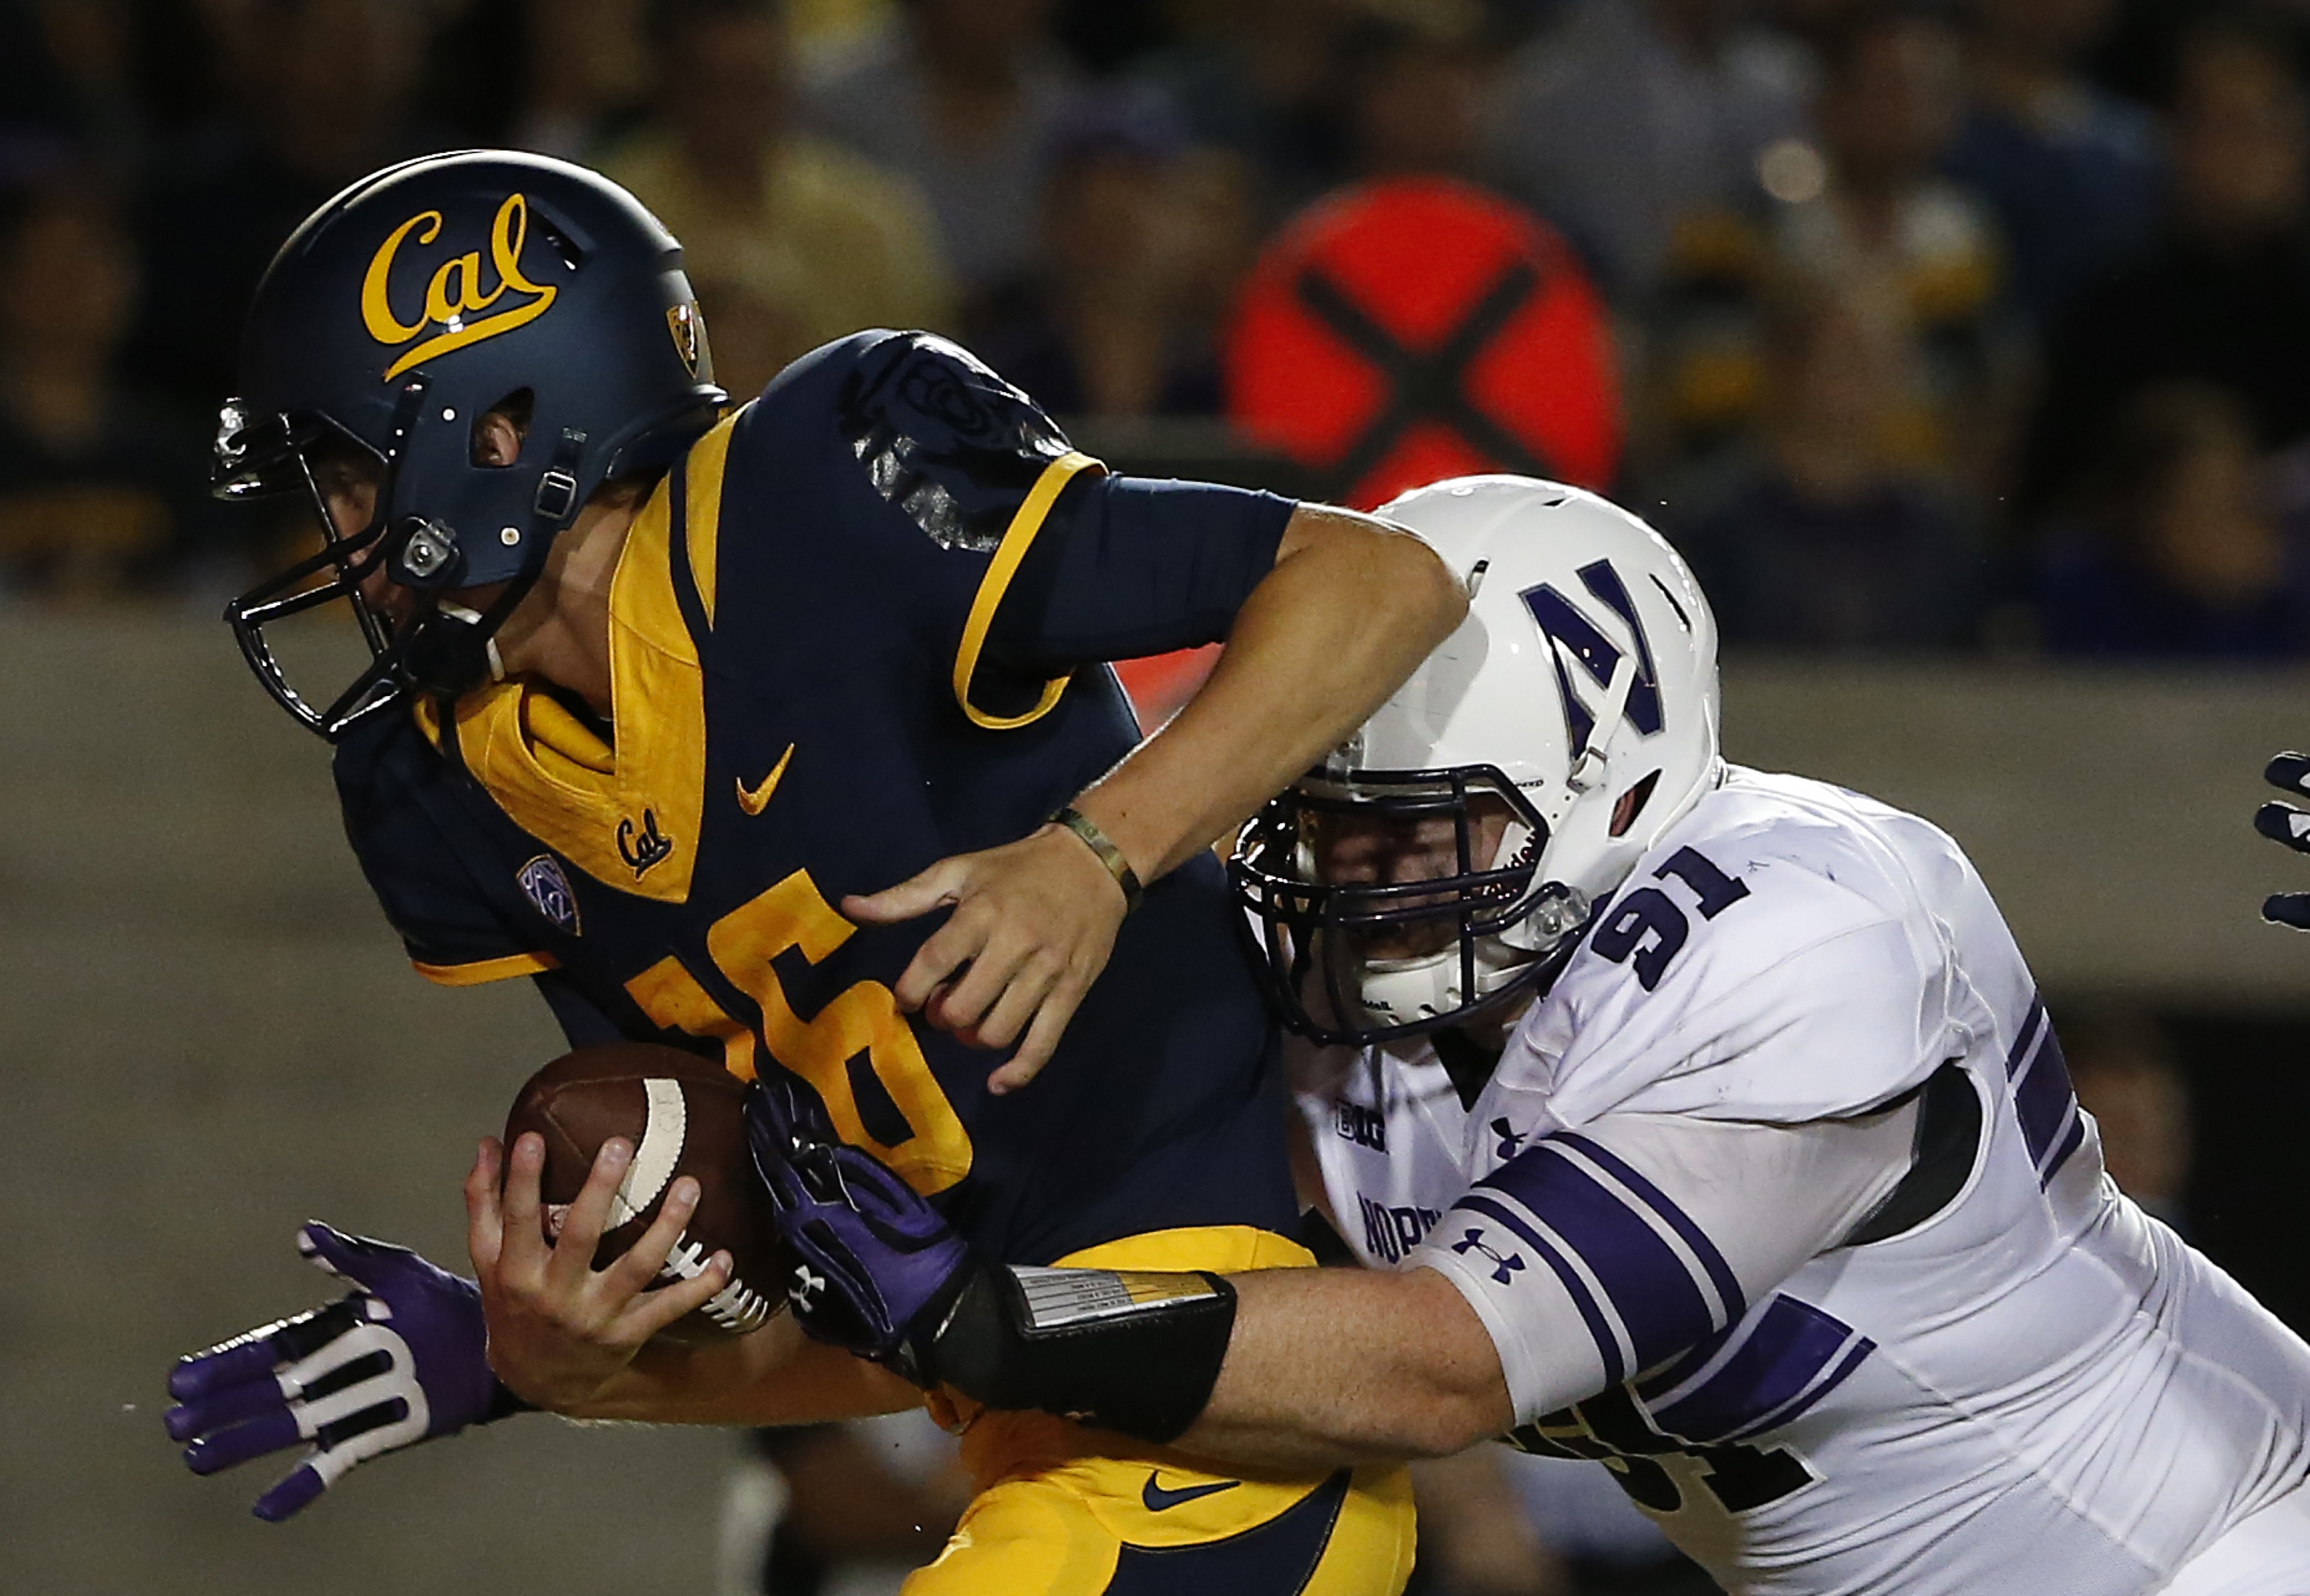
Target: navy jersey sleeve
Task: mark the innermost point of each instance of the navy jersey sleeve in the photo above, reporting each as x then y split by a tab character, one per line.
453	935
1027	551
1133	566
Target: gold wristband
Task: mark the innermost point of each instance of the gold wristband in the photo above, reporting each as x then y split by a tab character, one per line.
1099	843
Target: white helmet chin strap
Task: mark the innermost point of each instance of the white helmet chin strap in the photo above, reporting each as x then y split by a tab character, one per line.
1588	770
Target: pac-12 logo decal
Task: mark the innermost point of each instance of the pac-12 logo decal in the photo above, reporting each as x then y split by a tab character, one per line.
1568	631
454	298
548	890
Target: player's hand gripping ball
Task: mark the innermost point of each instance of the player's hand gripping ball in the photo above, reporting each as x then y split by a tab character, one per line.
402	1358
872	1266
684	1115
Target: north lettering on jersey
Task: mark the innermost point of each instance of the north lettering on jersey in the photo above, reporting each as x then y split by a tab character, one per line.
1393	1230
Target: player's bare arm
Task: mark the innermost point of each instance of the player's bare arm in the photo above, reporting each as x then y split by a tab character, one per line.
1352	605
1333	1366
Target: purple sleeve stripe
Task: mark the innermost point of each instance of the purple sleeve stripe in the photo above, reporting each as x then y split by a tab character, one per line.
2017	1058
1720	1273
1854	1357
1677	1370
1652	1288
2069	1144
1607	1344
2042	1097
1774	1366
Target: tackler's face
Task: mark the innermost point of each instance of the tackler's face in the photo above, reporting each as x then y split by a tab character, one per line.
1360	849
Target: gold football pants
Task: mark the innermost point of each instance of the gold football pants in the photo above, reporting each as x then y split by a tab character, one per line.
1062	1510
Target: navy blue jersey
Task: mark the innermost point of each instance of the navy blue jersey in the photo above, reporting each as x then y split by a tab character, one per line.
852	633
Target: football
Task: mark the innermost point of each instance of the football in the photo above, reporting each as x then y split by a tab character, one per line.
684	1116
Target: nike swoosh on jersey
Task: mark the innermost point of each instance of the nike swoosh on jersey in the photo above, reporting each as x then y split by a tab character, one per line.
1157	1499
755	802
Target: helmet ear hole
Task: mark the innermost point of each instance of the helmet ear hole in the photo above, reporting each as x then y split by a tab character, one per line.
1631	803
499	431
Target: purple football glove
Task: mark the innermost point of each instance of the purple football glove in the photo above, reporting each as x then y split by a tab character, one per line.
875	1267
402	1358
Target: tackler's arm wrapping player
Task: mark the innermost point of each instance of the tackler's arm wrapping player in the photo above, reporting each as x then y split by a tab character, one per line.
1782	1208
664	699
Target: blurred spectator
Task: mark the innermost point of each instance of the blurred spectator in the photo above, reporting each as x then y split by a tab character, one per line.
790	240
2223	295
328	86
73	92
2174	549
1828	534
962	100
2123	1072
97	483
1416	79
1261	78
1636	127
1884	224
1862	209
562	77
2070	171
1117	318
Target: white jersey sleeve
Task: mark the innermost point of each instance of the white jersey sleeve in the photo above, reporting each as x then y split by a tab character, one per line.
1593	1256
1770	961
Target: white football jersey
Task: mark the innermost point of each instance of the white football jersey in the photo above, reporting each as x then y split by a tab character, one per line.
2036	1389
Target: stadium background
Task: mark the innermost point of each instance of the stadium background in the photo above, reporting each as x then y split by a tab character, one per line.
1963	348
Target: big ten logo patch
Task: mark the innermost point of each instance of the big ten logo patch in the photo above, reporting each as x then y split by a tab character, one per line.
1390	1233
1366	1127
454	296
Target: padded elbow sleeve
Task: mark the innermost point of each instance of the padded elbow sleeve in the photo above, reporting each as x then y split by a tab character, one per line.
1133	1351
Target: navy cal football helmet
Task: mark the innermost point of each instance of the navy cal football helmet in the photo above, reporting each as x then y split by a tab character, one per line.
393	319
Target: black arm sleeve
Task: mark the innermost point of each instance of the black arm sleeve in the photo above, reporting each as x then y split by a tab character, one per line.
1133	566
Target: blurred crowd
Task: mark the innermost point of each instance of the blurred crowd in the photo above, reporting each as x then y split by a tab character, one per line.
1977	324
1983	324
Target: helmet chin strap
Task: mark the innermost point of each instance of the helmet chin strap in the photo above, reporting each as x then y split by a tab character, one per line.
1588	770
474	618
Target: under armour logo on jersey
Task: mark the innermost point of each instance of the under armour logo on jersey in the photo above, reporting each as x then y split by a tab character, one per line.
646	848
1504	1268
1511	1141
1569	631
804	1283
542	882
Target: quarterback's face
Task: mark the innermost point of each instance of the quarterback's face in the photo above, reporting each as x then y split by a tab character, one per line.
1367	850
349	483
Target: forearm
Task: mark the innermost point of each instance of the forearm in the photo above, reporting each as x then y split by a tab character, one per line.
1350	609
1342	1366
775	1376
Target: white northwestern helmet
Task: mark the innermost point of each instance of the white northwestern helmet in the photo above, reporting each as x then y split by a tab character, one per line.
1579	695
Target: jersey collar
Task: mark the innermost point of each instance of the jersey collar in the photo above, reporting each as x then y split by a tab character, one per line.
627	815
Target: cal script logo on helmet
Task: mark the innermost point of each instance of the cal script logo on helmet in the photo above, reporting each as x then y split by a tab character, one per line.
454	292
